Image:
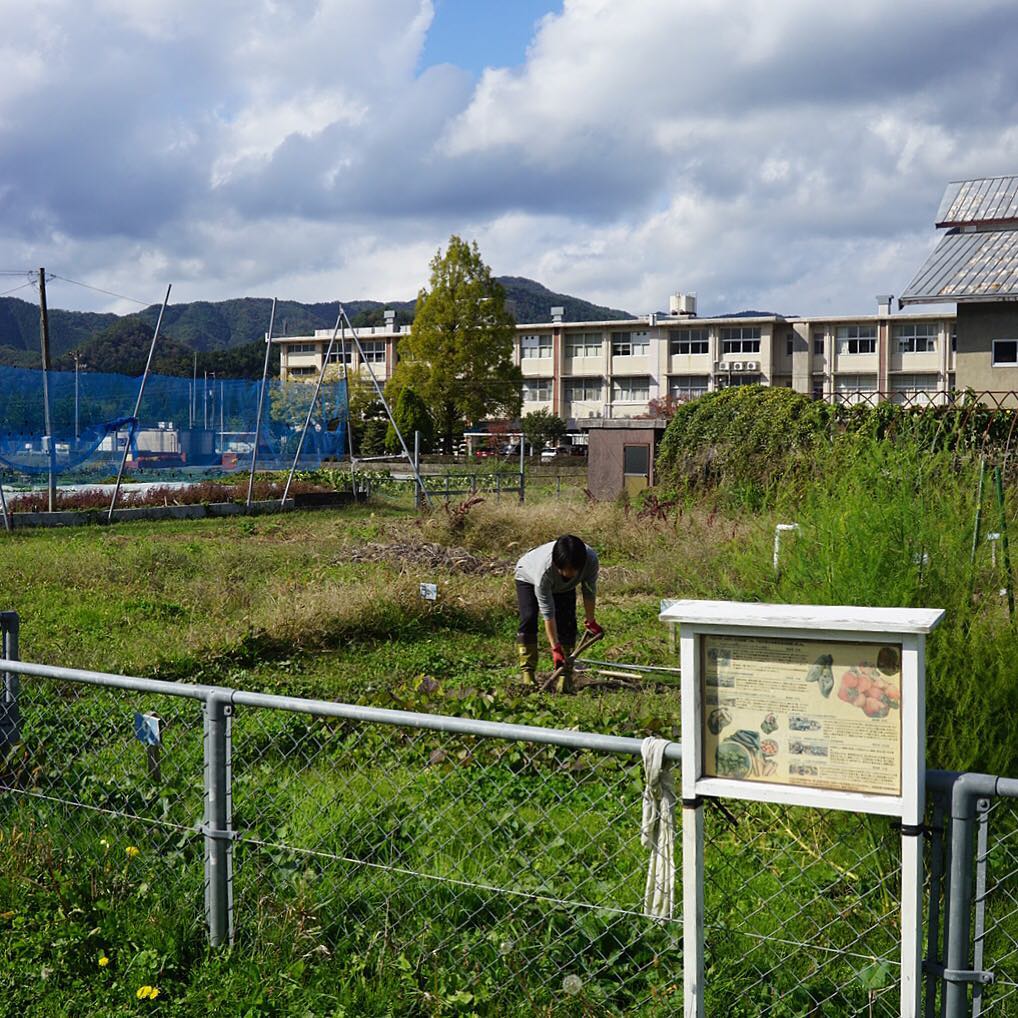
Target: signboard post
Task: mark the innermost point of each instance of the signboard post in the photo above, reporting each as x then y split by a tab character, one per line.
803	705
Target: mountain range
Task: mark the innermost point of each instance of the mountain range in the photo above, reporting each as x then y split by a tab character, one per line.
227	335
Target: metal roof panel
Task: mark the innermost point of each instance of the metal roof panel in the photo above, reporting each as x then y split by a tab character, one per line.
987	200
968	266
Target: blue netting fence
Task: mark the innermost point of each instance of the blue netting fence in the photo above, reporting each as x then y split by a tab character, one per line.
208	425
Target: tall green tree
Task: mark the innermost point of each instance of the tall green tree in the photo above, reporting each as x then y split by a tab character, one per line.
458	357
411	414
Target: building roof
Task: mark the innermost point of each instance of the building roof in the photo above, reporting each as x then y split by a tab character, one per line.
987	200
968	266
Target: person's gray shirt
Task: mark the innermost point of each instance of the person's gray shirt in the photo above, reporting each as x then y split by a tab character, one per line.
536	568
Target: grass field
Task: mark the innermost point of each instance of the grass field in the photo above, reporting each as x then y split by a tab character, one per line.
293	604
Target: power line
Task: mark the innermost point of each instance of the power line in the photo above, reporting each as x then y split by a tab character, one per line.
31	282
99	289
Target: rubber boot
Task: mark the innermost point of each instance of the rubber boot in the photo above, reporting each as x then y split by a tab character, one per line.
527	653
566	679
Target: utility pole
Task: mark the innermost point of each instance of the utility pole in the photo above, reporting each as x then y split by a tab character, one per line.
48	438
77	366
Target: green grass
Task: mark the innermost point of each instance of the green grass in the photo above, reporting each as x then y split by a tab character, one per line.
276	604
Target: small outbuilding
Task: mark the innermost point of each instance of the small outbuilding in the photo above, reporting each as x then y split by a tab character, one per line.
620	455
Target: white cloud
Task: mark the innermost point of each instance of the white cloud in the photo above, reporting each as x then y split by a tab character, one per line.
779	154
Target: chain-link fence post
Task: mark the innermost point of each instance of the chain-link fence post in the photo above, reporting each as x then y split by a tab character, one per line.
10	716
218	817
957	974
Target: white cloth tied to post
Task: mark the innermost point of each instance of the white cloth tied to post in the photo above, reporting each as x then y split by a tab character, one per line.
657	831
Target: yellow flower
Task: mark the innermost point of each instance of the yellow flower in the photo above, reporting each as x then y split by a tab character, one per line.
105	844
147	992
103	961
132	851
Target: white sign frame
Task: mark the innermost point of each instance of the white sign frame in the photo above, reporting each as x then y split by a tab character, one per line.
907	627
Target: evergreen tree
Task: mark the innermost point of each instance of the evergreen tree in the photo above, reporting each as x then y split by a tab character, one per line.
411	415
541	427
458	357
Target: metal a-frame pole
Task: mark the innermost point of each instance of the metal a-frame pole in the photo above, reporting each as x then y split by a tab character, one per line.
388	411
311	407
349	426
3	508
137	402
261	403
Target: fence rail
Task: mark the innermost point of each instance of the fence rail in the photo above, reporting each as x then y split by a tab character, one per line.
496	867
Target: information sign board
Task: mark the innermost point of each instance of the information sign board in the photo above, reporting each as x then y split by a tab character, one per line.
816	713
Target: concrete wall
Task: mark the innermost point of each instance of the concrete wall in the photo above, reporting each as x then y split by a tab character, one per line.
978	326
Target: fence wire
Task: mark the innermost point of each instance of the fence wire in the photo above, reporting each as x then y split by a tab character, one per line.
453	874
996	909
93	817
504	876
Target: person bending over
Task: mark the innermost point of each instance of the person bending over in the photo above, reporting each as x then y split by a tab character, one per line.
546	582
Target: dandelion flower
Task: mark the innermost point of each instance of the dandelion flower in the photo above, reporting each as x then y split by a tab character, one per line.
103	961
132	851
572	985
147	992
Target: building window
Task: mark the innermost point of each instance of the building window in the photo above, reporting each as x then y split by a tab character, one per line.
817	387
537	390
789	346
584	344
302	372
726	381
301	348
337	356
954	338
689	341
583	390
630	344
740	340
636	460
1005	353
856	339
856	388
916	337
630	390
818	344
906	388
535	345
374	351
685	387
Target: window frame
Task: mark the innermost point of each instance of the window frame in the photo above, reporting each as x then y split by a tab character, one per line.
685	337
994	363
747	340
687	392
586	341
617	397
628	339
536	342
540	385
571	383
844	343
906	343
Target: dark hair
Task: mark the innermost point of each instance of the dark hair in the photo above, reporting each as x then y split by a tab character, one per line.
570	551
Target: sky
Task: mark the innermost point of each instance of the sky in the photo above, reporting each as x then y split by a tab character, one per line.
781	155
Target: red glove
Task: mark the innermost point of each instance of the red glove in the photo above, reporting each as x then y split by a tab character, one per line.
593	628
558	656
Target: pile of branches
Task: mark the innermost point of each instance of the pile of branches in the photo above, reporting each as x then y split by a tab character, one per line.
433	556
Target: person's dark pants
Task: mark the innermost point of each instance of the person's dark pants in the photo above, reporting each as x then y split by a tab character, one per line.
565	614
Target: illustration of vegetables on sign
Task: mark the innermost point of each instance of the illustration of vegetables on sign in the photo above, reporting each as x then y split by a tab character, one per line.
822	673
743	753
873	690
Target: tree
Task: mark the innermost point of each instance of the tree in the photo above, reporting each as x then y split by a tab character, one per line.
458	357
289	403
411	415
542	428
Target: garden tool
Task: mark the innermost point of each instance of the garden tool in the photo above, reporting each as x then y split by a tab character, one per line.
565	672
527	653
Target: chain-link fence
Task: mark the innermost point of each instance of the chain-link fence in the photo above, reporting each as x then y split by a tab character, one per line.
450	865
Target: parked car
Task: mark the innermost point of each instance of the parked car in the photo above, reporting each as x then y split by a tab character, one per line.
557	453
